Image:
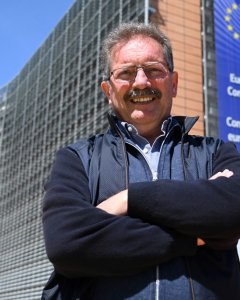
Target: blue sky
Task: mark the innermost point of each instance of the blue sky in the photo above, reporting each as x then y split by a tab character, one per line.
24	26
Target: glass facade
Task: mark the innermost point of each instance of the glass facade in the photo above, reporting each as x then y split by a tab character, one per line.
54	100
3	95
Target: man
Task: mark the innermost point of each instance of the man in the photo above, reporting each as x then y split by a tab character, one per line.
132	214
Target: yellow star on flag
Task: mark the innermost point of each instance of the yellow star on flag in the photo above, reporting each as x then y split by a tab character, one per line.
227	18
236	35
234	6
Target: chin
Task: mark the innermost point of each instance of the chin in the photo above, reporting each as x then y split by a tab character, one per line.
143	115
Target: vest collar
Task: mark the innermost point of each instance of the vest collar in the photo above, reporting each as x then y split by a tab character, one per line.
185	123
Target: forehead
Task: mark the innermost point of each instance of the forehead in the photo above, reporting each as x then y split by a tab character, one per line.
137	50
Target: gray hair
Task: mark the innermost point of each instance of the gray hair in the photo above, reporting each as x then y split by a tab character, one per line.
124	33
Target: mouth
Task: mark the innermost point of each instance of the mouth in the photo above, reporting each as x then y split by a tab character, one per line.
144	96
142	99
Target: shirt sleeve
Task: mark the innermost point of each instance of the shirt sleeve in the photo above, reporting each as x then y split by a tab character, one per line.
82	240
203	208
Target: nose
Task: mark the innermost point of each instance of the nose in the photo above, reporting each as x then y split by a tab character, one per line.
141	80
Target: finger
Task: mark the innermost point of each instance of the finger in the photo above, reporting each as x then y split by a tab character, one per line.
218	174
225	173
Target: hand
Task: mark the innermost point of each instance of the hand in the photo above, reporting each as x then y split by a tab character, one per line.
200	242
116	205
225	173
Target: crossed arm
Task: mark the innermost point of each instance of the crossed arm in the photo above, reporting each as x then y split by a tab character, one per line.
118	204
82	240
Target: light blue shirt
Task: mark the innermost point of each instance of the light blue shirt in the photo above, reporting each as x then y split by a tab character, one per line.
150	152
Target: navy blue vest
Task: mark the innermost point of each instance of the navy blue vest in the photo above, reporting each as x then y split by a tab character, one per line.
111	165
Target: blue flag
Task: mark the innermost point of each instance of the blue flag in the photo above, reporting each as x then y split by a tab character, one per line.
227	43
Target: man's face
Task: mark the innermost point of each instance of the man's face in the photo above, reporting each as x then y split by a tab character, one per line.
133	101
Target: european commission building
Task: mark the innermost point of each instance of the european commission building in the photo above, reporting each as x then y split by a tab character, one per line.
54	101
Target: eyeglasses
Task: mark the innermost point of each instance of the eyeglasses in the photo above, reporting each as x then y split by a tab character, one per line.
154	70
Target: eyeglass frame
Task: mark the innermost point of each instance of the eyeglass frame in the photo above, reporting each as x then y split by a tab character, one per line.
137	67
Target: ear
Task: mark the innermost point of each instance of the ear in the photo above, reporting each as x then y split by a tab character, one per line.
106	89
174	83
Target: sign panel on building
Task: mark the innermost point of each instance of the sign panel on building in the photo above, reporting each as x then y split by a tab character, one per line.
227	41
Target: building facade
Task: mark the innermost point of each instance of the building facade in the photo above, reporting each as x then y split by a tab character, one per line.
56	99
3	96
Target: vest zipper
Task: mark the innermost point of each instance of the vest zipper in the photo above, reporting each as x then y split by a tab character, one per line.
153	173
125	156
186	259
157	284
123	148
154	178
190	279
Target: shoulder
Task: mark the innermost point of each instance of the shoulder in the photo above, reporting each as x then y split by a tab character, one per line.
205	143
91	143
90	148
227	150
82	143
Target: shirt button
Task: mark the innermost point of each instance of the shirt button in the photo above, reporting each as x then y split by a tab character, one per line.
130	129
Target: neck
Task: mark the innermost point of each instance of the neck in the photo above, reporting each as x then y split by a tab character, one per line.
150	135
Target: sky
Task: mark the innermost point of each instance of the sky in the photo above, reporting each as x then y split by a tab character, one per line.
24	26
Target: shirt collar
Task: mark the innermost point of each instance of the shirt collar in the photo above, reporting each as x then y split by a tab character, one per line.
131	131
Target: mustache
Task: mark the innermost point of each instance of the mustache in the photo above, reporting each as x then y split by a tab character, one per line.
140	93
